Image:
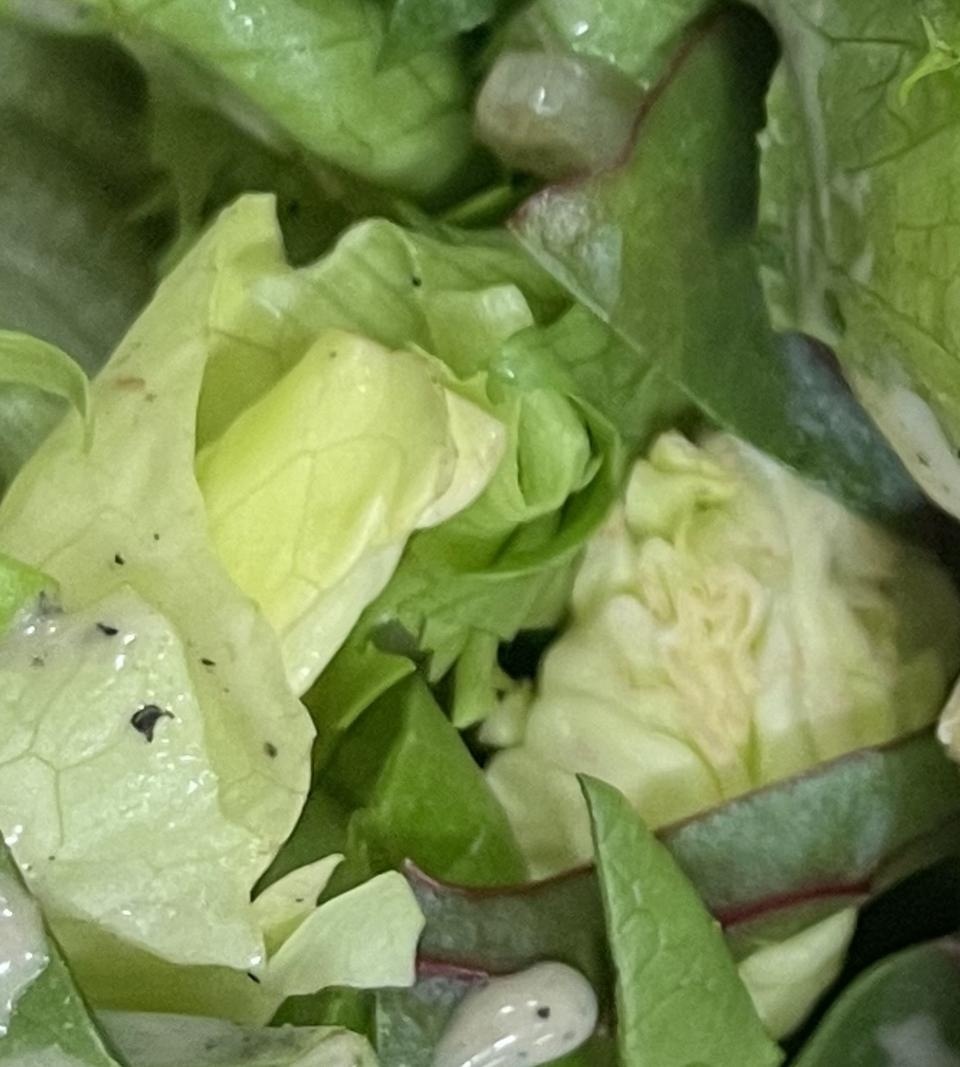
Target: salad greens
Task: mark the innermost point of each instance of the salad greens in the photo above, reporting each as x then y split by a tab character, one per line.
857	164
440	535
314	75
669	957
730	626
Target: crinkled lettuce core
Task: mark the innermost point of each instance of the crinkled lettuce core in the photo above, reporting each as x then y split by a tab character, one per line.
731	626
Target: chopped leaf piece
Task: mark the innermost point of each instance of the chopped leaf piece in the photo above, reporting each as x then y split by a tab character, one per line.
784	978
672	967
856	216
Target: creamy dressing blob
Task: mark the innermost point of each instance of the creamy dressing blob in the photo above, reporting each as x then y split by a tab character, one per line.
520	1020
23	945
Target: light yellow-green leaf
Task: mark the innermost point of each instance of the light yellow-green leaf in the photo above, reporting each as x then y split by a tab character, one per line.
26	360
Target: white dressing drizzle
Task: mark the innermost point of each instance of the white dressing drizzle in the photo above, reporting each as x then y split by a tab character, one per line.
520	1020
23	945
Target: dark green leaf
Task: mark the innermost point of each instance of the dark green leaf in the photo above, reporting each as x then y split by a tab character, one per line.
901	1013
75	261
671	964
419	795
660	249
858	179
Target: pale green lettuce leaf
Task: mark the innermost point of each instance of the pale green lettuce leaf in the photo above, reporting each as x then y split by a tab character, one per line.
155	1040
856	223
501	562
786	977
730	626
284	905
121	516
312	492
365	937
26	360
162	670
311	74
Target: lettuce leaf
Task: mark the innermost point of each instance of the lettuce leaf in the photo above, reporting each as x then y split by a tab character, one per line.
155	1040
638	39
670	960
312	492
231	739
855	219
420	795
679	286
729	626
296	72
503	562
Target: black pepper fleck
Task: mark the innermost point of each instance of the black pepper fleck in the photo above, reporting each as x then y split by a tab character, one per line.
253	977
207	662
543	1012
156	537
144	720
416	281
271	749
106	628
118	559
